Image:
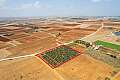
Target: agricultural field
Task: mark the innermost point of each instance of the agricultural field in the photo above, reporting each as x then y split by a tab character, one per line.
29	68
41	34
3	39
28	39
32	47
83	67
117	77
104	57
102	33
56	57
82	43
52	49
77	47
85	29
62	30
74	34
4	45
109	45
93	26
18	35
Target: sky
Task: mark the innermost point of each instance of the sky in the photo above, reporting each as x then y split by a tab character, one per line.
34	8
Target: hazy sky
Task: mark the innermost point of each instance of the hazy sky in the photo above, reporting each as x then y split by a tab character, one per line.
18	8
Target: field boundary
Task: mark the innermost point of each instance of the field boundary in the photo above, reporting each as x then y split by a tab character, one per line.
39	56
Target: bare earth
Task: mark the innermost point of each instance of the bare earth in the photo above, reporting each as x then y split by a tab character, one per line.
29	68
82	67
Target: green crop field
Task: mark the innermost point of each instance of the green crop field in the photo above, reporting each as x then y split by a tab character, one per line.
58	56
109	45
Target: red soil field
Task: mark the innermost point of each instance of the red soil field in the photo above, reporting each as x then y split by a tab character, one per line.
85	29
70	24
74	34
3	39
28	39
18	35
78	48
41	34
12	30
4	30
94	27
34	46
4	45
59	30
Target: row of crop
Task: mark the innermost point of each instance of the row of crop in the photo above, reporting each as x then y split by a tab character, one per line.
49	60
61	51
104	57
87	44
59	55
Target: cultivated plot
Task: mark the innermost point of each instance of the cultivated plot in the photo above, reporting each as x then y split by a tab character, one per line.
57	56
109	45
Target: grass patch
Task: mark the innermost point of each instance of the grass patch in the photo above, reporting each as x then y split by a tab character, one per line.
109	45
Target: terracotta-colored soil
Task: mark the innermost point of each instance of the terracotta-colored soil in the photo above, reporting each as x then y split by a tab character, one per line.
29	68
84	67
